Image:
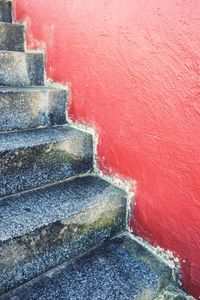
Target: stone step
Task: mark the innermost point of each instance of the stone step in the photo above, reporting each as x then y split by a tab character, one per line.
118	270
22	108
42	228
11	37
36	157
5	11
21	69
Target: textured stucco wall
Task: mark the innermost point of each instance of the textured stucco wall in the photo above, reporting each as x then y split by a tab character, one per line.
134	71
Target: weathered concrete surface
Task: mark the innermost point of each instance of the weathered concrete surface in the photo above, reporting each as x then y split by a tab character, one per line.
5	11
134	66
21	69
40	229
35	157
11	37
22	108
118	270
173	292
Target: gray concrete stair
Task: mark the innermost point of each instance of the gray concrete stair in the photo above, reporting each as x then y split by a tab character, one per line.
5	11
21	69
42	228
121	269
31	107
11	37
36	157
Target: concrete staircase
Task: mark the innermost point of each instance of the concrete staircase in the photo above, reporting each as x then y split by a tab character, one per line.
62	228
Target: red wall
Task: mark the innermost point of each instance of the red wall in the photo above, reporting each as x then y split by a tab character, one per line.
134	71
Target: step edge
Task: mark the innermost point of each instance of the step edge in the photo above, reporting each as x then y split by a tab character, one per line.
46	185
27	89
42	129
35	52
14	24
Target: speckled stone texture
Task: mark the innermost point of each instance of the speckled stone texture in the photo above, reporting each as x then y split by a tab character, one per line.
32	158
173	292
22	108
118	270
43	228
5	11
11	37
21	69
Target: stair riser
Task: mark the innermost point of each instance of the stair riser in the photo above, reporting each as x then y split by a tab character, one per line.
25	168
22	110
5	11
26	257
21	69
11	37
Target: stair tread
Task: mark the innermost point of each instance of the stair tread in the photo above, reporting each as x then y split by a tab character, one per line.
23	213
26	108
36	157
14	89
121	269
33	137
